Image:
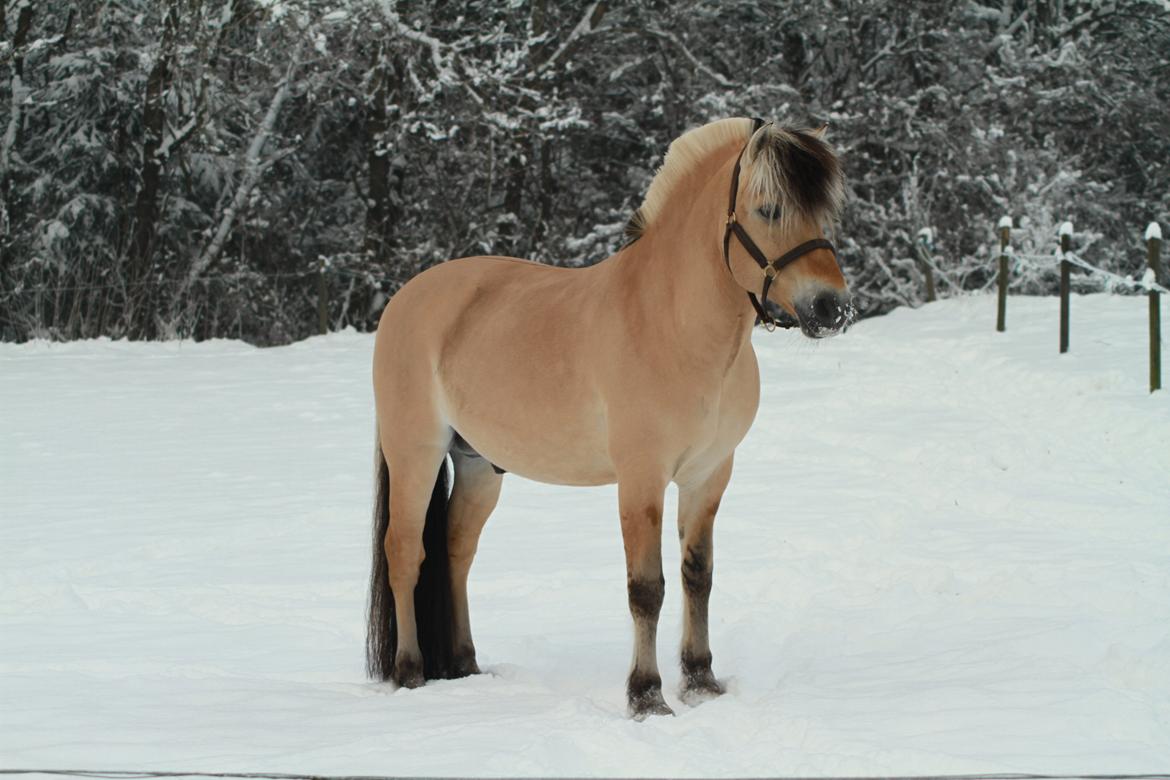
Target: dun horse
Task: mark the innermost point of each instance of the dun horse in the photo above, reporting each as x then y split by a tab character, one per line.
638	370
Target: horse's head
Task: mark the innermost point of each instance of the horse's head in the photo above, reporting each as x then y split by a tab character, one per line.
786	187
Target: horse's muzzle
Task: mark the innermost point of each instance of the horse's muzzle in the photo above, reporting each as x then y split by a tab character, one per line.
826	313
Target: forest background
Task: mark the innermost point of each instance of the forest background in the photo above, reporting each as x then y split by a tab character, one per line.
207	168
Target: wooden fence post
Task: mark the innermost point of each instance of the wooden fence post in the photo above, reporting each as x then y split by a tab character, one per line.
1066	230
323	298
1005	234
925	243
1153	257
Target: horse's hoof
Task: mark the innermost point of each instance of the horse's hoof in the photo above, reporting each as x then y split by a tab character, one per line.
696	690
698	681
640	712
648	703
409	674
464	666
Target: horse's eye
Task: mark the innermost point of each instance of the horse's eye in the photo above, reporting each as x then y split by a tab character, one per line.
770	213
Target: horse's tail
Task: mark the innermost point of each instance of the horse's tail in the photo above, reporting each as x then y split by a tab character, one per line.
433	608
382	632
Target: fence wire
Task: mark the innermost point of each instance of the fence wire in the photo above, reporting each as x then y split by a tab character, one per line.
1146	283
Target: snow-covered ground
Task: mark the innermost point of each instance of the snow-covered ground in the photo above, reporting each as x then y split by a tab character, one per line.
943	550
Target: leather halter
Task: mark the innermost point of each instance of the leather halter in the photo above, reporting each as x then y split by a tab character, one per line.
771	268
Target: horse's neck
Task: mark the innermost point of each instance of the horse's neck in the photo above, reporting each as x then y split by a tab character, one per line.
677	277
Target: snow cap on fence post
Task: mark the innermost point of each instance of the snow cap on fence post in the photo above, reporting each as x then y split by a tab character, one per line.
1154	231
1005	222
1066	228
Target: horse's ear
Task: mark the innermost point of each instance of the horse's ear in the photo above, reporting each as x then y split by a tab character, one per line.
758	140
819	132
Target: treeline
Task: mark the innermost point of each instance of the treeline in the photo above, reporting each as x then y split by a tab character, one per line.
189	167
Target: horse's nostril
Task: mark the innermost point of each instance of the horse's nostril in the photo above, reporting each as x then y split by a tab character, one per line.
826	308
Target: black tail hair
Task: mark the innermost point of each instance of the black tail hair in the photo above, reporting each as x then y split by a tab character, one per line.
433	608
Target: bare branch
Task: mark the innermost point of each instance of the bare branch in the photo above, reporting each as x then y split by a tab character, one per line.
253	167
702	67
588	24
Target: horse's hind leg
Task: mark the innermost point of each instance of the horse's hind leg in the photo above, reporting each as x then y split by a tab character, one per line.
417	499
474	496
697	505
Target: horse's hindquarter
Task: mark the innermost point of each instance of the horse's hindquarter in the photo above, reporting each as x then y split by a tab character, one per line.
511	343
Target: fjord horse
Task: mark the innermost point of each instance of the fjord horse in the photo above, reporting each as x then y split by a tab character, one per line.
638	370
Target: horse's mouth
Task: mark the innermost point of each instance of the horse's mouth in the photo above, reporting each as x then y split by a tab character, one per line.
817	331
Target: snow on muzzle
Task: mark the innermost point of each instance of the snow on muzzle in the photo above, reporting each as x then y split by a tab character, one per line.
825	313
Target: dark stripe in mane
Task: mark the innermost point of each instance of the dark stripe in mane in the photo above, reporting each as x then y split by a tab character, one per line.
808	172
635	227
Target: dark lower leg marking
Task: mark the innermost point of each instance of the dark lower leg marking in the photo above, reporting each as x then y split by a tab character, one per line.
696	575
646	597
697	674
695	663
698	680
644	687
696	572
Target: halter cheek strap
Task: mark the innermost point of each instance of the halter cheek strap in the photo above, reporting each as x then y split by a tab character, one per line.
771	268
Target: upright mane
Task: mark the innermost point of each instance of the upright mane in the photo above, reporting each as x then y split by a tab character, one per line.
791	168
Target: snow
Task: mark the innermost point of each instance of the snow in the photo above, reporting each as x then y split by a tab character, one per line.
1066	228
1153	230
1005	222
943	550
983	13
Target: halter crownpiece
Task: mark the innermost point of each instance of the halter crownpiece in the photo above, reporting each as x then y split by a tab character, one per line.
771	268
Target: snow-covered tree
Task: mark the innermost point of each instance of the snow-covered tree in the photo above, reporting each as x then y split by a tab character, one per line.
190	167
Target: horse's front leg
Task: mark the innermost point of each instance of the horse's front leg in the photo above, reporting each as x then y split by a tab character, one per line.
640	503
697	505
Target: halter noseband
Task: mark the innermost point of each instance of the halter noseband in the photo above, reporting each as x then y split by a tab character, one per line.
771	268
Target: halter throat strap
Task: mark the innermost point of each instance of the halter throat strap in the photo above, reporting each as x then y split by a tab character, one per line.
771	268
